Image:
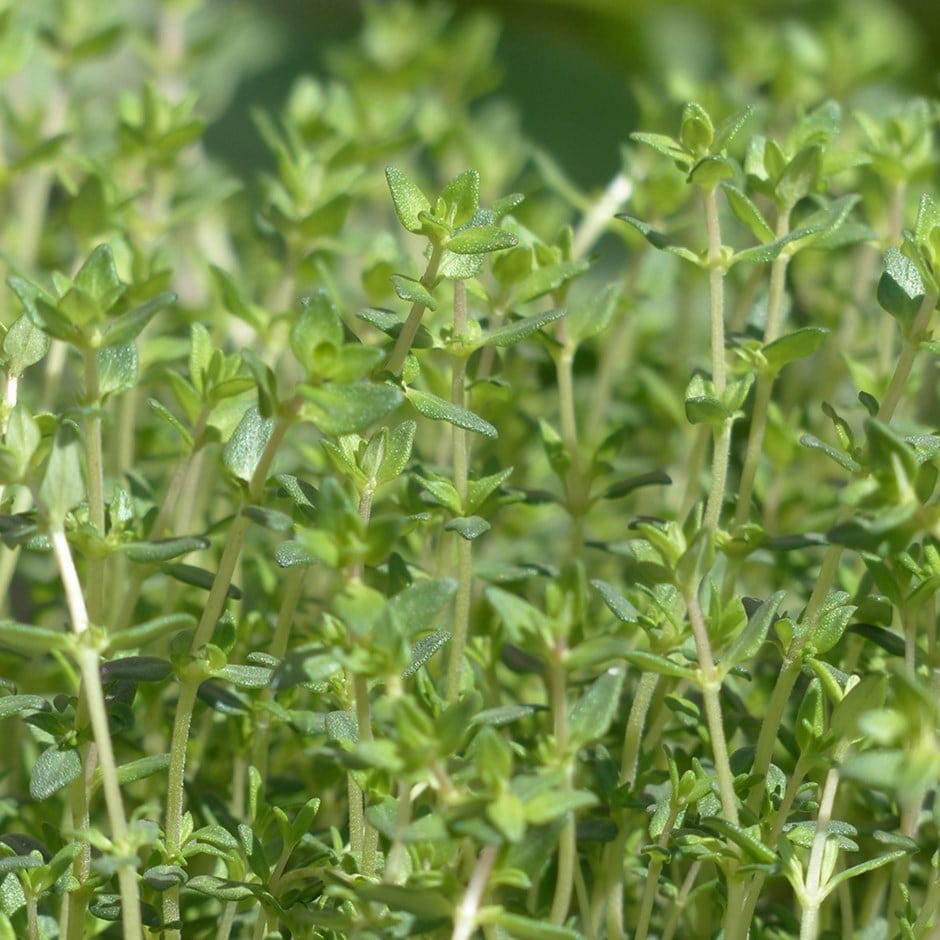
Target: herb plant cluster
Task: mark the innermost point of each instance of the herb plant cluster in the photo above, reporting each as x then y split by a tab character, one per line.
405	543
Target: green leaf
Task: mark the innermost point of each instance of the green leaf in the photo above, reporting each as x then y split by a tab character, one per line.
747	839
478	491
163	877
272	519
833	619
126	327
246	676
593	713
98	279
22	438
163	412
136	669
901	289
710	171
139	769
528	928
407	198
53	770
235	301
518	330
24	345
793	346
118	368
551	804
437	409
422	650
799	177
696	131
25	705
243	450
652	662
841	458
618	605
479	239
414	900
415	608
468	527
62	486
397	452
390	323
752	637
343	409
547	279
862	868
223	889
291	553
318	324
624	487
747	213
158	550
142	635
462	197
197	577
412	290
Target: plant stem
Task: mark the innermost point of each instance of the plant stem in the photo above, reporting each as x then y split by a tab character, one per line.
410	329
95	473
722	434
814	891
461	622
652	879
711	686
396	854
567	840
89	667
614	852
465	921
902	369
182	720
765	382
592	226
681	899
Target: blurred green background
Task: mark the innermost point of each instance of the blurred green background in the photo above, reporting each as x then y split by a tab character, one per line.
581	71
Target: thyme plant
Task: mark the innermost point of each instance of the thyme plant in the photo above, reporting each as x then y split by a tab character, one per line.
401	542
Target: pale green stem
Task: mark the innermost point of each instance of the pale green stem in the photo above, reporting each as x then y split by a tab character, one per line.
574	483
410	329
788	675
711	686
722	435
176	772
592	226
458	393
290	598
678	905
905	361
567	840
755	441
95	472
814	889
179	482
465	917
652	879
614	853
396	853
89	667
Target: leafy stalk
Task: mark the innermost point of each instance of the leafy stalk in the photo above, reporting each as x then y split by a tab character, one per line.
464	547
410	329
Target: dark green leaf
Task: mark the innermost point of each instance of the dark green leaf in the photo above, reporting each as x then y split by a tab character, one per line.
793	346
753	635
619	606
595	710
413	291
163	549
53	770
422	650
437	409
11	705
24	344
480	239
244	449
624	487
901	289
468	527
343	409
290	553
126	327
62	486
142	635
197	577
518	330
407	198
136	668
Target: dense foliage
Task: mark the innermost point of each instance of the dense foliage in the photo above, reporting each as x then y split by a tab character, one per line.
404	543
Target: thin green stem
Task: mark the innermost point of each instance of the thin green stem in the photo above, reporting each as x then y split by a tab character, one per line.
762	393
678	905
614	852
567	840
182	720
722	434
905	363
711	686
814	886
464	547
465	918
651	885
89	668
396	854
95	471
410	329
